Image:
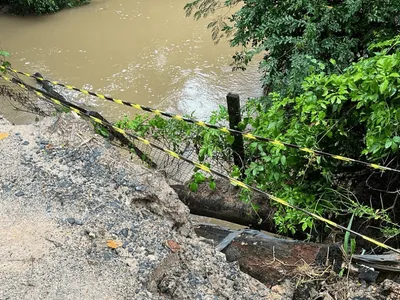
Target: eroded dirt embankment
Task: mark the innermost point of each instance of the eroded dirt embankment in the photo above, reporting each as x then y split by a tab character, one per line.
67	199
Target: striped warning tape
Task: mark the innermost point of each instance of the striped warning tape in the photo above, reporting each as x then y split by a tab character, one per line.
206	169
249	136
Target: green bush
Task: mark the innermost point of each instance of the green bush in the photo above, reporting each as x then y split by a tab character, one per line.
39	7
354	114
295	36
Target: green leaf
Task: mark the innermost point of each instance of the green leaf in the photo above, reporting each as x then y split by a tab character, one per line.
194	187
396	139
4	53
388	143
202	153
353	245
383	86
213	185
275	160
304	226
210	151
347	236
207	137
230	139
341	273
276	176
235	172
199	177
283	160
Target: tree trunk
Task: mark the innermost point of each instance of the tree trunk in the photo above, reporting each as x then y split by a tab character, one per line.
267	257
223	203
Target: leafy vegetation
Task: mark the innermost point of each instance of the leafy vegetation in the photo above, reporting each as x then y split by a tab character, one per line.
178	136
39	7
331	78
296	36
355	114
3	57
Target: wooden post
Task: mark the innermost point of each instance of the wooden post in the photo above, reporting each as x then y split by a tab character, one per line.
235	118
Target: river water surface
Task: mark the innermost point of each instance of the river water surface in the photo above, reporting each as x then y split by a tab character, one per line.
145	52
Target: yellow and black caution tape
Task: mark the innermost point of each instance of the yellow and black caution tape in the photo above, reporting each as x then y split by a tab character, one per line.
249	136
204	124
232	180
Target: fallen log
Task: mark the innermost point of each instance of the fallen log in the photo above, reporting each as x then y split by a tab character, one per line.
268	257
389	262
224	203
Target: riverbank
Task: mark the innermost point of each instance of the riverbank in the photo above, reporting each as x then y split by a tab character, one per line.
77	221
80	221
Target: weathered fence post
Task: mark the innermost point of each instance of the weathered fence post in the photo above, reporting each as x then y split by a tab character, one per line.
235	118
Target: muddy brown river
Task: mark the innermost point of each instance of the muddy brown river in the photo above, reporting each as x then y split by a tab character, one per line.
145	52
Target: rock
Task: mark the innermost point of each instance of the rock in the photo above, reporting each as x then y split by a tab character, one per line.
368	274
140	188
124	232
19	194
285	290
6	188
71	221
391	289
107	256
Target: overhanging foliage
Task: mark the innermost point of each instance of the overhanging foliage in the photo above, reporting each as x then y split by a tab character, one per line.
296	36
